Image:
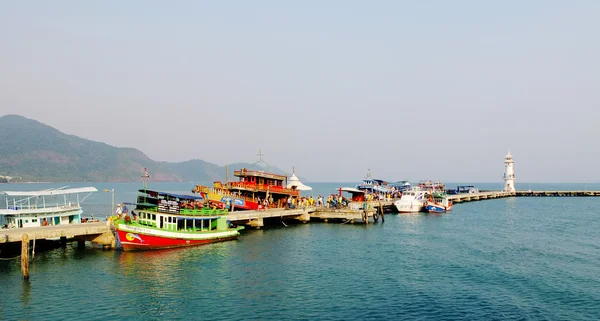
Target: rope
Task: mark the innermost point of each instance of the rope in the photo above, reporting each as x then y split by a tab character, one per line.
9	258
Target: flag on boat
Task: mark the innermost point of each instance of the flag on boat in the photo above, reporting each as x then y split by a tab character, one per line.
146	175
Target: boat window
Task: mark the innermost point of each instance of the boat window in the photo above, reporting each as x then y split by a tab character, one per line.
34	220
189	224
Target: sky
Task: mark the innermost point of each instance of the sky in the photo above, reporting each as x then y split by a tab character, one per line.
408	89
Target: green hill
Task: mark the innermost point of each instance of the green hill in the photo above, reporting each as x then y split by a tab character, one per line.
32	151
37	152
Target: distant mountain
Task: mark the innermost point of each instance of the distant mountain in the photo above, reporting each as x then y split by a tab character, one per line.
32	151
37	152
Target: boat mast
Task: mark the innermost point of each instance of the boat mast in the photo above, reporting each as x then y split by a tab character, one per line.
145	177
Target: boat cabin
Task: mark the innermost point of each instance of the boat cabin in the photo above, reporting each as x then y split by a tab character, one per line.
171	203
176	212
259	177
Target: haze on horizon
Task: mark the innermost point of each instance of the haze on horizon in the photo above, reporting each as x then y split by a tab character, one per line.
411	90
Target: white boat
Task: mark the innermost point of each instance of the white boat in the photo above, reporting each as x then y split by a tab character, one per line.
412	201
57	206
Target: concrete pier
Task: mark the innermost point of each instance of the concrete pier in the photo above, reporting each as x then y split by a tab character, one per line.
95	232
256	218
468	197
558	193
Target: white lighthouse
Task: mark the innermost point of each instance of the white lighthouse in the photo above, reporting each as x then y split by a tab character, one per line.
509	173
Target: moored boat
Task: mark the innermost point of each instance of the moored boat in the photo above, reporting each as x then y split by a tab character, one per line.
163	220
255	190
374	186
57	206
411	201
438	203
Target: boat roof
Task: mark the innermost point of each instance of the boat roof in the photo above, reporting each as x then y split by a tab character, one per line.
180	196
351	190
52	192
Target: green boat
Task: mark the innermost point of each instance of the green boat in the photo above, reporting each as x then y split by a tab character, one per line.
163	220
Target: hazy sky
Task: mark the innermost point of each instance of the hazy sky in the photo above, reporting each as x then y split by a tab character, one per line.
410	89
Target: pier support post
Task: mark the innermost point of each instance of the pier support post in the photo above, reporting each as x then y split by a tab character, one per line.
305	217
257	223
382	213
25	256
63	241
81	244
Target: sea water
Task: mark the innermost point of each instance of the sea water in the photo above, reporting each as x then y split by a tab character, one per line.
527	258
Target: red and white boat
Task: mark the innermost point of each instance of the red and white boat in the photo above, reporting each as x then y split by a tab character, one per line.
165	220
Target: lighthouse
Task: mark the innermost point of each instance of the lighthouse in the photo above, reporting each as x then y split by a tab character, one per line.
509	173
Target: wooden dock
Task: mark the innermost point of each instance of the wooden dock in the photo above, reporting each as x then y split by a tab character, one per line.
97	232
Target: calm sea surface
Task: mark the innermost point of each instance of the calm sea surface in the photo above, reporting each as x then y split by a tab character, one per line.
505	259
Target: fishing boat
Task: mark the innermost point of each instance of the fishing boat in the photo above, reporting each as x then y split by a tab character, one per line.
411	201
255	190
438	203
374	186
57	206
162	220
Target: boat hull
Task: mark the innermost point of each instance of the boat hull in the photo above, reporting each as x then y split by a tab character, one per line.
148	239
239	203
437	208
409	207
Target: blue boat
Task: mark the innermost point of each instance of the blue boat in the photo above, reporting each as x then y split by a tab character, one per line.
438	203
375	186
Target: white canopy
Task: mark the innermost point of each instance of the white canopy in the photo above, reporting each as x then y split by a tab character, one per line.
52	192
350	190
294	182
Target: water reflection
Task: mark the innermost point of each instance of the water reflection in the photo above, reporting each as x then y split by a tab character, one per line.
26	293
411	223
